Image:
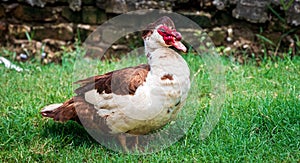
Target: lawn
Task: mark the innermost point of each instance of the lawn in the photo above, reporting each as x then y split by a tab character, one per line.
260	121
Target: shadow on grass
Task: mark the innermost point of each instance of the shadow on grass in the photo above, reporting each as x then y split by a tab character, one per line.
70	134
66	133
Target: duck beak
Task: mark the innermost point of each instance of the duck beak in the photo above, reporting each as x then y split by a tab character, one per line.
176	43
179	45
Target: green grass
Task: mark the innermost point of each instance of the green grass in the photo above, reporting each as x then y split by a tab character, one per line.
260	120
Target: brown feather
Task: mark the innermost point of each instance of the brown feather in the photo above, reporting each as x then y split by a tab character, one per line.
75	106
121	82
63	113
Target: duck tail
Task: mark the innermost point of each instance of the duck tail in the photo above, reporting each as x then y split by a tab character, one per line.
61	112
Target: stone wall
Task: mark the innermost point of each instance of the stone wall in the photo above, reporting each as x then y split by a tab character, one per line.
256	11
45	26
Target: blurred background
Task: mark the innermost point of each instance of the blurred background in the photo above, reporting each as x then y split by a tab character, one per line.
259	45
241	29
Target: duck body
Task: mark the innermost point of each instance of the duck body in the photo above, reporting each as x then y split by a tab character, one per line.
155	103
134	100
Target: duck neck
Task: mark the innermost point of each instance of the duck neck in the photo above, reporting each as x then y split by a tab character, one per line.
150	49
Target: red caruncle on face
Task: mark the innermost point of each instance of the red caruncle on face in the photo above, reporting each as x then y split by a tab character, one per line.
169	35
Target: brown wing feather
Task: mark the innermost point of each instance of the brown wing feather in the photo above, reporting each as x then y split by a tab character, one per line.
75	106
122	82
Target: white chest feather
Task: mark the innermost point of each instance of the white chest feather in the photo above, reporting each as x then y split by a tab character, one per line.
154	103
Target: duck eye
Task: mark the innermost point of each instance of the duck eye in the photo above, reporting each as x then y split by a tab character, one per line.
162	30
177	36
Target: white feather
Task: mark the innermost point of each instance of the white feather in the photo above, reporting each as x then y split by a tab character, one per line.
51	107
